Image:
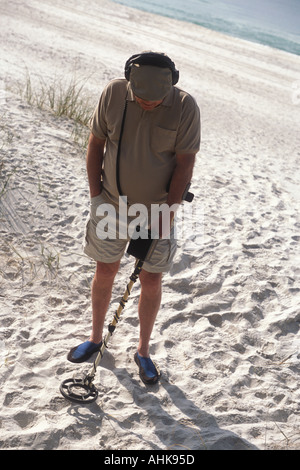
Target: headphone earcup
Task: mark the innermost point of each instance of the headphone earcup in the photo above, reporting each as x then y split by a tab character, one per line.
175	76
127	73
128	66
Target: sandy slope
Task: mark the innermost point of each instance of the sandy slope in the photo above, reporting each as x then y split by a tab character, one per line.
227	337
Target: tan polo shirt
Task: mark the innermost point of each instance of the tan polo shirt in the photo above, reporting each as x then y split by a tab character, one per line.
150	142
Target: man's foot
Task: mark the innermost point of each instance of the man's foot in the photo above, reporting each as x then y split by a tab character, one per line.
83	351
148	371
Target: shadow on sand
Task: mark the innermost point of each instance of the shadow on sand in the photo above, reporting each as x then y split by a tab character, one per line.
195	430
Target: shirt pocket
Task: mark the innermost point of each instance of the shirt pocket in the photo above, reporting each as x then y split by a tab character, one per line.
163	140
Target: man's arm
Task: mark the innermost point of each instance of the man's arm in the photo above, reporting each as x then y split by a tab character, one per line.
182	175
94	160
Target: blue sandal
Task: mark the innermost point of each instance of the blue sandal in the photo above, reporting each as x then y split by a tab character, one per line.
83	351
148	371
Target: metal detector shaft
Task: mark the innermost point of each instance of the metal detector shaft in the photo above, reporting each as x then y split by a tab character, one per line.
83	390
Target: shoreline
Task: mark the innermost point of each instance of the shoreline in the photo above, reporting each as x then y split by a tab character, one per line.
249	35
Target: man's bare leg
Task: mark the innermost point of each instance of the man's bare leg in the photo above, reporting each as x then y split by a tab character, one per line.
101	295
149	304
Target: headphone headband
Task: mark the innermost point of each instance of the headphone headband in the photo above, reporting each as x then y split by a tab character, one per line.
156	59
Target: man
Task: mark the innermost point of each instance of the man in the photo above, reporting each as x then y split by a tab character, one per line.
145	134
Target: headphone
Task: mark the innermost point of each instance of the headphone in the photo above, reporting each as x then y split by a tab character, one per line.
152	58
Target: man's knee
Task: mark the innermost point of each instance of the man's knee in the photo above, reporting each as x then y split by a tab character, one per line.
151	281
107	270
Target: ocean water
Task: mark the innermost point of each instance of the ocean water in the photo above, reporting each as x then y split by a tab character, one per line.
275	23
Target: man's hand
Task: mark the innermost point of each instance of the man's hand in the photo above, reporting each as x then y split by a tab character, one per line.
162	221
182	175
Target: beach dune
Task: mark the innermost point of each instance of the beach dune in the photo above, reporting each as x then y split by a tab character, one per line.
227	335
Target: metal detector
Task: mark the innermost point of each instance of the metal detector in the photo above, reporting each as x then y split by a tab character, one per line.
82	390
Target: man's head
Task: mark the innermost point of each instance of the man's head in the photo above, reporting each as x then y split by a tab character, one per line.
151	75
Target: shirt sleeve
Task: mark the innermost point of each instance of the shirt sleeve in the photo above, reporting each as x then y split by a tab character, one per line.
189	130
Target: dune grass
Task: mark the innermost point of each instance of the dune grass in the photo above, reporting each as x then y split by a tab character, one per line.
62	98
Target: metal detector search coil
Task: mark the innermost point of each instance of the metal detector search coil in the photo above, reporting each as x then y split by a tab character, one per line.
79	391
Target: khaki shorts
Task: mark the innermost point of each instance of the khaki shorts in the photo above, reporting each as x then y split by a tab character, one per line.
111	250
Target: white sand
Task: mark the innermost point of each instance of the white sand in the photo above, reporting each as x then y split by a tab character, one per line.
227	336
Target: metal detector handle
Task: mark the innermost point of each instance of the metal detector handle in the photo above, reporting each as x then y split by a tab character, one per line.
140	247
187	196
